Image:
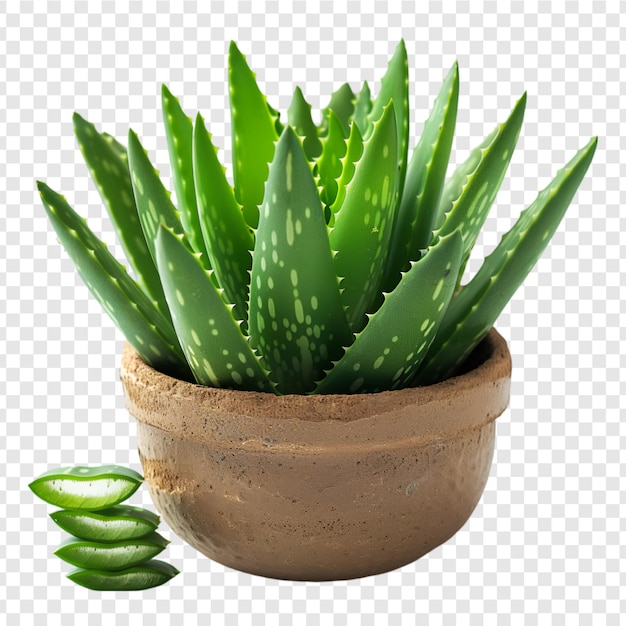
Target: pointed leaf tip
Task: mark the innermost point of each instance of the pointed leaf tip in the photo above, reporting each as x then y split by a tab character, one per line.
288	140
132	136
234	51
77	118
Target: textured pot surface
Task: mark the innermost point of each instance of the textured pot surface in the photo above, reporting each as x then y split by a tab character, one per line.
318	487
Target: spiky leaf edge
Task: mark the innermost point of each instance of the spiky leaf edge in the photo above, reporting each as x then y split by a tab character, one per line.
132	311
478	303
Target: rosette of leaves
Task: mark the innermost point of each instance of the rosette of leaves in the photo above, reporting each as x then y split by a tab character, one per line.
332	263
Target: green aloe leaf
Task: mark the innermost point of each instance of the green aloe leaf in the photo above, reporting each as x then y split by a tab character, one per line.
329	165
211	338
153	200
342	105
116	146
362	109
395	87
354	151
254	135
299	116
179	131
296	317
132	311
85	487
424	182
390	348
149	574
362	229
478	304
115	523
275	113
107	161
116	556
470	192
227	236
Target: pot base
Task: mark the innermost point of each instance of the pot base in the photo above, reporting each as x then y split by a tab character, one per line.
317	488
306	519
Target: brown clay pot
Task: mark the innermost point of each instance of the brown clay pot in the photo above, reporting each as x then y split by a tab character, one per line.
322	487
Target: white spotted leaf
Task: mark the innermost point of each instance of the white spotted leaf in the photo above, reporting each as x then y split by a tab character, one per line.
227	236
477	305
254	134
107	161
215	348
362	229
132	311
179	132
394	87
471	190
153	200
390	348
426	172
296	318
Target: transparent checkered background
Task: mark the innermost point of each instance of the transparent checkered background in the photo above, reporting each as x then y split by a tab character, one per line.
546	543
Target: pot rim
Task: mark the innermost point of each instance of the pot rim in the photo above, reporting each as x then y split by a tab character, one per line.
226	417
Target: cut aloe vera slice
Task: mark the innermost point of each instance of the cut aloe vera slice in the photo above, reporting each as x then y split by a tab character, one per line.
119	523
90	488
144	576
111	556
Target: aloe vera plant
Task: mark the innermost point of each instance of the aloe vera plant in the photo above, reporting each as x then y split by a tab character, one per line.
332	264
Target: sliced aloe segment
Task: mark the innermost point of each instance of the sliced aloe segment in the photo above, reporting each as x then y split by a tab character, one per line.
470	192
145	576
362	230
425	177
299	117
390	348
478	304
228	238
111	556
296	317
107	161
211	338
179	131
132	311
254	135
119	523
89	488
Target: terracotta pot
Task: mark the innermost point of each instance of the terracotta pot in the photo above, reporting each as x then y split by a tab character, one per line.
318	487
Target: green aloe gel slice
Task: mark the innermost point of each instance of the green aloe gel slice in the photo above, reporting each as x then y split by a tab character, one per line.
111	556
90	488
145	576
119	523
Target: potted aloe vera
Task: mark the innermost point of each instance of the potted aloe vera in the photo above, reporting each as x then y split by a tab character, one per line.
315	387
